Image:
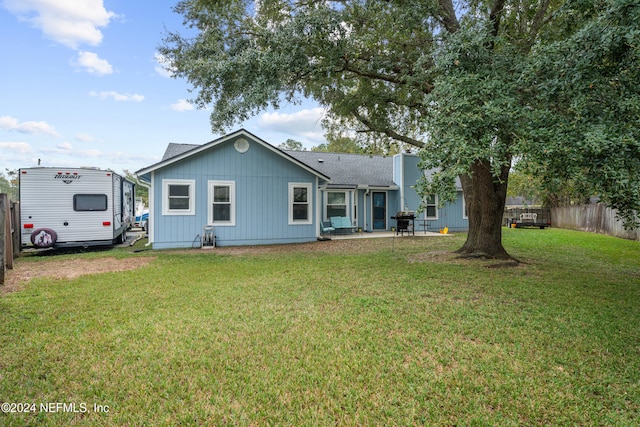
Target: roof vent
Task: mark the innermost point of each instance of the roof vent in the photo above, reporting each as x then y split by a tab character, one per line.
320	161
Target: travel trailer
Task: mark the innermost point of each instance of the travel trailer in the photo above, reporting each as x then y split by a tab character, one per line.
74	207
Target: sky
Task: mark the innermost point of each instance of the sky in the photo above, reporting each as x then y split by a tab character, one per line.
81	86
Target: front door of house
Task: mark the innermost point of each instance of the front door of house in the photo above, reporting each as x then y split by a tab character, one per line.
379	200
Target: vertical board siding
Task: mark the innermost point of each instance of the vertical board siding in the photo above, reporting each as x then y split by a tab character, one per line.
451	215
411	175
398	168
358	196
261	183
393	206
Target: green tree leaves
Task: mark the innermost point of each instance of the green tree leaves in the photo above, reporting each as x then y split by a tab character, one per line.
587	101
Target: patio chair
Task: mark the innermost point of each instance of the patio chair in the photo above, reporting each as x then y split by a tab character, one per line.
326	228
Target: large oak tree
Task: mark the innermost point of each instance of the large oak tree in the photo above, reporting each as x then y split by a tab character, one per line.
475	85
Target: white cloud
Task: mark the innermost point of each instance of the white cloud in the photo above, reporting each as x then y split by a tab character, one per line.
21	154
163	65
83	137
11	123
16	147
92	63
116	96
69	22
89	153
304	123
67	149
182	105
15	155
122	158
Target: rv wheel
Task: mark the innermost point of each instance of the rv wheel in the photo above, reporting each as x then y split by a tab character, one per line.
44	238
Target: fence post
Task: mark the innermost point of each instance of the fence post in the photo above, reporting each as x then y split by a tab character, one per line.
15	222
3	231
8	242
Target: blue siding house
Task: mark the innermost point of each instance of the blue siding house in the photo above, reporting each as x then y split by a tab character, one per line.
254	193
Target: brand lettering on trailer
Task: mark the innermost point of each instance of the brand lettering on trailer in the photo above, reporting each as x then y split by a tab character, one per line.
67	178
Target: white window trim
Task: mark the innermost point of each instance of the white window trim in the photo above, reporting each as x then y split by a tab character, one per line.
347	200
232	200
436	201
309	188
165	197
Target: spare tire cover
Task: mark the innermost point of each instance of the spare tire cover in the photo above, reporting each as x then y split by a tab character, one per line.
44	237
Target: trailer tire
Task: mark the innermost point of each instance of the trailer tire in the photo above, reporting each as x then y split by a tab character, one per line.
44	238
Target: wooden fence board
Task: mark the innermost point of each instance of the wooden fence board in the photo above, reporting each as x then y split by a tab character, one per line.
595	218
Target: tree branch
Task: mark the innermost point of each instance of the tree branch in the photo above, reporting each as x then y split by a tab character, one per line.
495	15
388	132
370	74
396	78
448	18
538	21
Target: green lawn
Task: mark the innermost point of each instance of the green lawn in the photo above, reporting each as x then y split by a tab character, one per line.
389	333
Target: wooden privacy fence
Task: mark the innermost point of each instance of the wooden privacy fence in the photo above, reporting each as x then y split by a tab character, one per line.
596	218
9	234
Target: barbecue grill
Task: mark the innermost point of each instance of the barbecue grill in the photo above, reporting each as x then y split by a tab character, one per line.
404	222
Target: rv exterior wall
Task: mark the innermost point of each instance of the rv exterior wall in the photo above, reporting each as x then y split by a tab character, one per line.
55	198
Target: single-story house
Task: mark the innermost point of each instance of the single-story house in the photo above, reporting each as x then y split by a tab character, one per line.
252	192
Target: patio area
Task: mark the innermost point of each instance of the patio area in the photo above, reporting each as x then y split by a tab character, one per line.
383	234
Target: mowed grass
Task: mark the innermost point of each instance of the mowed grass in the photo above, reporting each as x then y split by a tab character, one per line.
390	333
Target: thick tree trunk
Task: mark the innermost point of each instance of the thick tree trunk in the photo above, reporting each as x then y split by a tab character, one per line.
485	197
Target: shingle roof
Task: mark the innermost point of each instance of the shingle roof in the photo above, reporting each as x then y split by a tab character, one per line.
174	149
345	170
349	170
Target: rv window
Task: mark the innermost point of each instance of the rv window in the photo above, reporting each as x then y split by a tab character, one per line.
89	202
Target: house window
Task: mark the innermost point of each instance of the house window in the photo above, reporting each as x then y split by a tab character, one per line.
300	203
178	197
431	207
222	203
336	203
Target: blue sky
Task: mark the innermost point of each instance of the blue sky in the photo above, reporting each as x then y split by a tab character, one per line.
80	85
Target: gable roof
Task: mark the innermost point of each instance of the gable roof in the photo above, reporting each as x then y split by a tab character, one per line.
174	149
350	170
344	170
177	152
